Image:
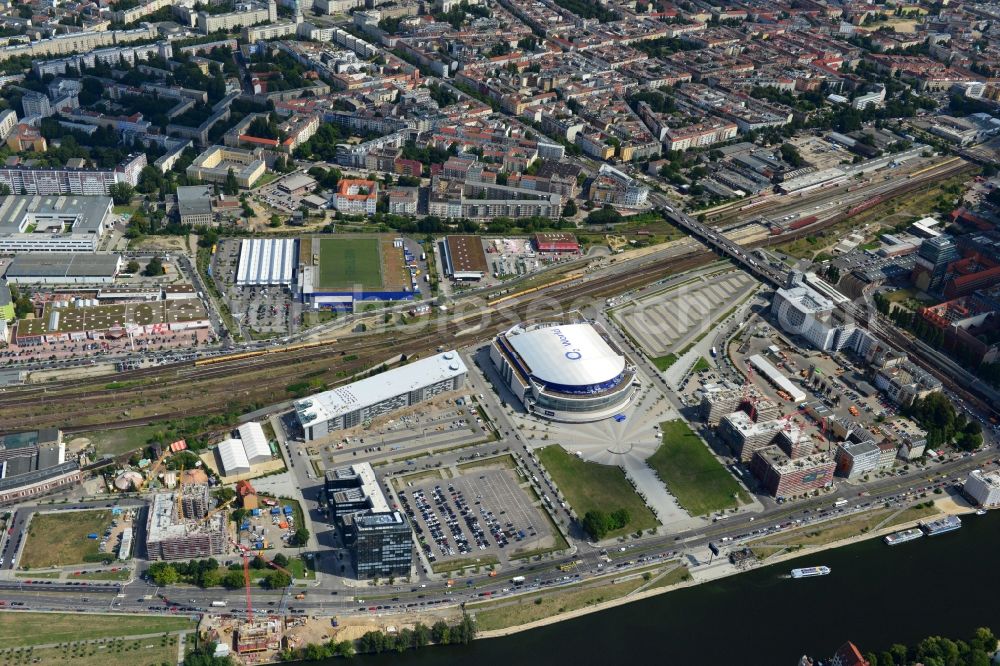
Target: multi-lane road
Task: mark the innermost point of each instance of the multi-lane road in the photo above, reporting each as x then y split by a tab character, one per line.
331	596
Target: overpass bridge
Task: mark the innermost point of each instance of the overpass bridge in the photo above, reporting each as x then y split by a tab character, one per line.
716	240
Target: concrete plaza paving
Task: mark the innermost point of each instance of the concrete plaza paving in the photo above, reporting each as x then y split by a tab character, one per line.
626	444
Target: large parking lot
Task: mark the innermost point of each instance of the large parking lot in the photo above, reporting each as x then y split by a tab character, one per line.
264	309
482	514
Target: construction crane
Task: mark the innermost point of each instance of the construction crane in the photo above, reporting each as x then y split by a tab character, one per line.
154	469
221	507
180	491
246	576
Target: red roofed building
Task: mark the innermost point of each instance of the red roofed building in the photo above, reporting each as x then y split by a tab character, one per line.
556	242
405	167
848	655
970	274
243	488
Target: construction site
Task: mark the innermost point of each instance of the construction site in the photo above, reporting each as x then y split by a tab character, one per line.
180	525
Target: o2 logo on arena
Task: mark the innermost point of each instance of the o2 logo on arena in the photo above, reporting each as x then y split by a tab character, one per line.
573	354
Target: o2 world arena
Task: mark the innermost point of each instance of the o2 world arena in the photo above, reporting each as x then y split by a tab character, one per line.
565	372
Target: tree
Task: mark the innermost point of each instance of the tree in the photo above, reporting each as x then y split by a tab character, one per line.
5	190
597	524
275	580
441	632
606	215
231	187
121	193
619	519
280	560
204	655
300	537
233	580
132	267
569	209
464	632
404	640
790	154
421	635
154	268
163	574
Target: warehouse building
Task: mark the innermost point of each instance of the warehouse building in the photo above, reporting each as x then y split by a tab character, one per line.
34	463
63	268
266	261
464	258
254	442
367	399
556	241
53	223
565	372
232	458
780	381
173	536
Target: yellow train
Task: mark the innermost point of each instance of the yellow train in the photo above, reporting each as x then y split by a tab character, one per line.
261	352
939	165
502	299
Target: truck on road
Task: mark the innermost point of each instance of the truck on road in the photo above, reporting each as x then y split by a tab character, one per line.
517	580
219	604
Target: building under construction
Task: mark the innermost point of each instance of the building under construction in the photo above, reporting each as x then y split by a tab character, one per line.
184	529
258	636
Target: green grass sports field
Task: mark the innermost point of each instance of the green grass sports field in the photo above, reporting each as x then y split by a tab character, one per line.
345	262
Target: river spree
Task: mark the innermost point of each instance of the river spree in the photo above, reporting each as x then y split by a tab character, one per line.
876	595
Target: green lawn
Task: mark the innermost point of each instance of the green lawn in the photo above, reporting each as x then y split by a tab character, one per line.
121	574
140	652
590	486
123	440
58	539
41	628
299	569
345	262
664	362
702	364
692	474
458	565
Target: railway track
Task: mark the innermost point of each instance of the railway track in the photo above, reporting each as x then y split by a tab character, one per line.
368	348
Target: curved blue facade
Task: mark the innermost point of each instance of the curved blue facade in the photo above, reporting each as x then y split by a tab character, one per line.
588	389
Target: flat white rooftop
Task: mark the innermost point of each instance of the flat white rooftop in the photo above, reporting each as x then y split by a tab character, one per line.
266	261
776	378
373	390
